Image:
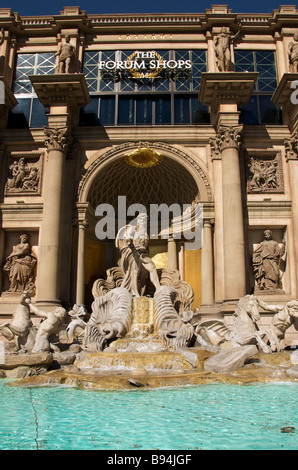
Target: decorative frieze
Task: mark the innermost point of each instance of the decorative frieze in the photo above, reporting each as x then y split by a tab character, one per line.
264	171
24	174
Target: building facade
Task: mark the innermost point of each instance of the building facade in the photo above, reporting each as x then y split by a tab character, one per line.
185	109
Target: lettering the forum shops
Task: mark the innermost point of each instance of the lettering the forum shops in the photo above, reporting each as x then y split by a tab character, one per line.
143	61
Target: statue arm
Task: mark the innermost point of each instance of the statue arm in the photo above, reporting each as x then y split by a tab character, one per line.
269	308
38	312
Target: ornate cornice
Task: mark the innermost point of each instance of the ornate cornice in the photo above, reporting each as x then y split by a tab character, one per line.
57	138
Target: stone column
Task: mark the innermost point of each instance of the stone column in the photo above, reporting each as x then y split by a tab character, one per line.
82	225
64	94
233	229
57	141
224	92
207	271
172	254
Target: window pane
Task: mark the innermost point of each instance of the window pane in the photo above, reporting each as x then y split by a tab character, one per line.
270	114
107	111
144	111
126	110
19	116
89	114
200	114
249	112
38	114
163	110
181	110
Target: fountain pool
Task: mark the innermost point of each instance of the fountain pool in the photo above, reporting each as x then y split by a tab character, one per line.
211	416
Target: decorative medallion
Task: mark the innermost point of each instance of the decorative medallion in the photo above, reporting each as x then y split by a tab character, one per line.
144	157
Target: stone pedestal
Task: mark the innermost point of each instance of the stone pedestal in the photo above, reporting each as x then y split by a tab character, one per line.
224	92
64	94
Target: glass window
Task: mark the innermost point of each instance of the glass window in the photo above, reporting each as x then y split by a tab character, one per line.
126	110
260	109
144	111
163	110
29	111
107	111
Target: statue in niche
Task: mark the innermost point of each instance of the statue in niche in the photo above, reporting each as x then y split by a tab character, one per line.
22	177
266	261
52	324
222	46
65	53
293	53
132	241
20	266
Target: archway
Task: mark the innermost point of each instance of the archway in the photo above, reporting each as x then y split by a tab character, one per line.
144	174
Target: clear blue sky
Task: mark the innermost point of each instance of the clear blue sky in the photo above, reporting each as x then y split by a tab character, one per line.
33	7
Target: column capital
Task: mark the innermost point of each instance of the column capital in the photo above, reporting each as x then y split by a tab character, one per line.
228	136
57	138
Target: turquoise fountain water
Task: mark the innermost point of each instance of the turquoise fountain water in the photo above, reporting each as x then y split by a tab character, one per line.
217	416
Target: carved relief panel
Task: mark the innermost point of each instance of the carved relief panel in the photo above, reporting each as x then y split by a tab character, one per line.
24	174
264	171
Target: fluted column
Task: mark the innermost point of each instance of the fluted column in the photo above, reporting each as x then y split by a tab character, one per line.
228	140
57	141
207	270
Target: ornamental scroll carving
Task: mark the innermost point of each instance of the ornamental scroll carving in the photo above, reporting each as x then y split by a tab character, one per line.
57	138
24	174
264	172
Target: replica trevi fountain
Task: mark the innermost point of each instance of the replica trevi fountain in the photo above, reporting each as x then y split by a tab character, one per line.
142	331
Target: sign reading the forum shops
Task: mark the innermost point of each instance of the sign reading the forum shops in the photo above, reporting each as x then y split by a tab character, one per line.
145	64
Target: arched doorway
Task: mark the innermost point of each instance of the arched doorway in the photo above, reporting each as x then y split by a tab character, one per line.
144	174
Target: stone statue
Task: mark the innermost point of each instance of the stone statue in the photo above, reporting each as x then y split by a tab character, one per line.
52	325
175	331
244	330
293	53
132	241
222	46
65	53
110	319
20	266
21	328
266	263
284	318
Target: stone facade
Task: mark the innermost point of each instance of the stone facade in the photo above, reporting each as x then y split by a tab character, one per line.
235	153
